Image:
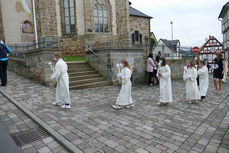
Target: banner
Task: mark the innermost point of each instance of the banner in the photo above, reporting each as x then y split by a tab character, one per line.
26	7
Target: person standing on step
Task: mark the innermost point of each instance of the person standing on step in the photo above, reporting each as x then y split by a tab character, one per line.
4	51
204	80
190	75
164	75
124	97
62	78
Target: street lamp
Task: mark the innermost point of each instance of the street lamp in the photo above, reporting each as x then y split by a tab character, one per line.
171	29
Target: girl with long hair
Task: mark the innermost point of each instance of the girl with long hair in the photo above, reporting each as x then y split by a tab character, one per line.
124	97
164	75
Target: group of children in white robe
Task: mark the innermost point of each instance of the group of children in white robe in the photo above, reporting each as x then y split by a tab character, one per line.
193	92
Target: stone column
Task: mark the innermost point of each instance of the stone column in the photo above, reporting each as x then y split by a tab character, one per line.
122	19
88	13
2	36
46	18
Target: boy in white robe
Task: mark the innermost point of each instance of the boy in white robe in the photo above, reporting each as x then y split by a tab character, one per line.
124	97
164	74
61	76
204	80
190	75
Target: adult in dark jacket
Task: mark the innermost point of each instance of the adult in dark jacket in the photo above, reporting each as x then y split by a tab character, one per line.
4	50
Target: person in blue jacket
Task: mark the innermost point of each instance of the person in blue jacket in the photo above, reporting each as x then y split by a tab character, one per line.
4	51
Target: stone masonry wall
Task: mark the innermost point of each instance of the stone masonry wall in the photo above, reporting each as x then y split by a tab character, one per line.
122	19
142	25
137	59
46	18
2	36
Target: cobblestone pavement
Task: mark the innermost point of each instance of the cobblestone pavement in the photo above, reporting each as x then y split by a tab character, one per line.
93	126
16	121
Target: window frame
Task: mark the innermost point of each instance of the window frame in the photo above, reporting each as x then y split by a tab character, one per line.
101	19
137	37
72	31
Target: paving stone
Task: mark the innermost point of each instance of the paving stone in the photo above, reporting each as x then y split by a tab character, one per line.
44	150
140	150
91	121
47	140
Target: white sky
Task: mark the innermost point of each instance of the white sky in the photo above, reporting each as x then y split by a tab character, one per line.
194	20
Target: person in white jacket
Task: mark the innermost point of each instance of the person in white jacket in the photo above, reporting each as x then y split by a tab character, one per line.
124	97
190	75
204	80
61	76
164	75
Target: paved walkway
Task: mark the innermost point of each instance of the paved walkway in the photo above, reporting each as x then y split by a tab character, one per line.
93	126
16	122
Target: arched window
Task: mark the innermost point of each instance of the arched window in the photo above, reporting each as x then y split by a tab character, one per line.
100	16
69	17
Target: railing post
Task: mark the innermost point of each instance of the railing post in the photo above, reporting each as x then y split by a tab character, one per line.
45	42
16	49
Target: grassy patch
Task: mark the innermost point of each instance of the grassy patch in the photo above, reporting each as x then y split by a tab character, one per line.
74	58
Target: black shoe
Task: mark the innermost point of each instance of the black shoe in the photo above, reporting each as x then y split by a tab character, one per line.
3	85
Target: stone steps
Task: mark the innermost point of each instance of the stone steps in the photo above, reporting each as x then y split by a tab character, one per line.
82	76
90	85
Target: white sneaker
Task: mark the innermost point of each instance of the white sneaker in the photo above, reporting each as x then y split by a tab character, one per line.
56	103
66	106
130	106
116	107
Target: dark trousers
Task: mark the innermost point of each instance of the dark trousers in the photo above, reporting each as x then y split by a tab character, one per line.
150	77
3	73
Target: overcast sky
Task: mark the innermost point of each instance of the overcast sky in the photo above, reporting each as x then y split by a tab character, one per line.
194	20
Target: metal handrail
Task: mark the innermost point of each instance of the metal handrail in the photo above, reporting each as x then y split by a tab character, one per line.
107	63
96	55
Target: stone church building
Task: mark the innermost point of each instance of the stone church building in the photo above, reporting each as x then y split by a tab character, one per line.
76	23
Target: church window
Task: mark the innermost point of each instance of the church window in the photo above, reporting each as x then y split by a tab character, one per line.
136	37
100	16
69	17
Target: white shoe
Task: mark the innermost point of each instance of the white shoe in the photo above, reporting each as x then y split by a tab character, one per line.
116	107
56	103
130	106
66	106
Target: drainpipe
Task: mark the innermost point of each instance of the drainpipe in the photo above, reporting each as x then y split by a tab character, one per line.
35	23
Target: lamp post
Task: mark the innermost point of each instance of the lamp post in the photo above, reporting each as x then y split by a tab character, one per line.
171	29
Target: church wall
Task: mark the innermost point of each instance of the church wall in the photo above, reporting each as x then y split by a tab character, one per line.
46	18
13	16
80	16
142	25
2	36
122	19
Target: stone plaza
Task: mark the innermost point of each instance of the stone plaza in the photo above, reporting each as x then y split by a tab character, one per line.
92	125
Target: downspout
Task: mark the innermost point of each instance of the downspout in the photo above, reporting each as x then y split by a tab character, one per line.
35	23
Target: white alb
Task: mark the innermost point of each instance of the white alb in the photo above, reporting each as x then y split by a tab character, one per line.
192	91
124	97
204	80
165	84
62	78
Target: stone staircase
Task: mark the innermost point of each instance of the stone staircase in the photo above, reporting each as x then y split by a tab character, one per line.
82	76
